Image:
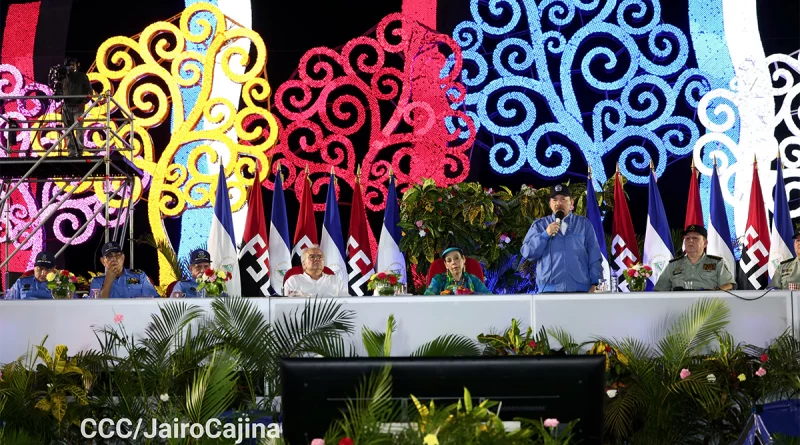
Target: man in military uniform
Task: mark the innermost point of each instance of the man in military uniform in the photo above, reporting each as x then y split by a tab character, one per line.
199	262
565	251
788	271
119	282
695	270
35	286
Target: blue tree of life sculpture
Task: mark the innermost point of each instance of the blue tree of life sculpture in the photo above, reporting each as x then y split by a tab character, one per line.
609	82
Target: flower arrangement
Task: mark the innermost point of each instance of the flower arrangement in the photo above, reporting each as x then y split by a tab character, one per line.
456	290
213	281
385	283
62	284
636	276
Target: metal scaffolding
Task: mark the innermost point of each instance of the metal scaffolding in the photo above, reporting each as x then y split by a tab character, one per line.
17	168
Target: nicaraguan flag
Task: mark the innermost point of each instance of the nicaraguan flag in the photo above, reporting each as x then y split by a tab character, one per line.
781	243
657	239
390	259
280	257
332	242
221	240
593	214
719	232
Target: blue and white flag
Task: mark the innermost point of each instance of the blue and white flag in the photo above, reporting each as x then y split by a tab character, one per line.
781	244
222	240
390	259
719	232
332	243
280	257
593	213
658	249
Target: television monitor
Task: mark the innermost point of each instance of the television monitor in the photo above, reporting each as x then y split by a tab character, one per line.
315	390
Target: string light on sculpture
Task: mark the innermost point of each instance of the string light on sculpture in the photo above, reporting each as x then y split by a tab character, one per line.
634	64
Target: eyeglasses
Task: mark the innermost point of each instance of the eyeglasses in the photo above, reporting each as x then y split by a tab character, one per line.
114	256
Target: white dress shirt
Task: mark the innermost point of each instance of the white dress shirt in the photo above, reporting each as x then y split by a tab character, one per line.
302	285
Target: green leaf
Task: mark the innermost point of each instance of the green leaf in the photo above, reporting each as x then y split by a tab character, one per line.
213	388
448	346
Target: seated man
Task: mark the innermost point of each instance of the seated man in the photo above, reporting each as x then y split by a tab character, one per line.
199	262
313	282
119	282
35	286
695	270
456	280
788	271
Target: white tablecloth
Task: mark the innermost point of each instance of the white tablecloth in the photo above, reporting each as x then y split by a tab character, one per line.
25	323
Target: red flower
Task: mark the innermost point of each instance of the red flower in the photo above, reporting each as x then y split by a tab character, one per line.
73	279
764	358
462	291
381	276
392	279
532	344
65	273
346	441
209	273
230	275
608	348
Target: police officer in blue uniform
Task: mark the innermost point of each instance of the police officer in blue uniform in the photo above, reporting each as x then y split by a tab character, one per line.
35	286
199	262
566	252
119	282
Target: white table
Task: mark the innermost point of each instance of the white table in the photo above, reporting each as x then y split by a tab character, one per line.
25	323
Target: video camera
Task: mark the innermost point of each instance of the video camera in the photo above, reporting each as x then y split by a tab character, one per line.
58	73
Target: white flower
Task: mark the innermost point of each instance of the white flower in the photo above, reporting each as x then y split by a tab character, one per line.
711	378
164	397
422	233
49	385
611	393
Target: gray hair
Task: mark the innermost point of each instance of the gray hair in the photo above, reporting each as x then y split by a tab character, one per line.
304	255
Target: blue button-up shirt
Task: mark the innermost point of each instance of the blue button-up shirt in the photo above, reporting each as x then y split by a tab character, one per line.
188	287
568	262
131	284
29	288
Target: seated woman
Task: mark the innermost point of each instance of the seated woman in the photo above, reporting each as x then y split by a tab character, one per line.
456	281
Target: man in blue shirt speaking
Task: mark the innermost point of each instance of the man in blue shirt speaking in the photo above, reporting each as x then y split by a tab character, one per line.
119	282
33	287
564	247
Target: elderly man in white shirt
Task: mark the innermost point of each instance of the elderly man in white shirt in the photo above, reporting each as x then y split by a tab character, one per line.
314	282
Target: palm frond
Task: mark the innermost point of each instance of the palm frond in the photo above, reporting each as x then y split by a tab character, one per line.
621	412
565	339
319	318
379	344
692	332
371	406
448	346
212	390
240	325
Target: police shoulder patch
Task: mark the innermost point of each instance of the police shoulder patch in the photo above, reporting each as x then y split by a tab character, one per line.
714	257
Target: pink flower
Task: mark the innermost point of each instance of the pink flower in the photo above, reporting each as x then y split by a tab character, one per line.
419	224
317	442
532	344
550	423
634	273
685	373
761	372
118	318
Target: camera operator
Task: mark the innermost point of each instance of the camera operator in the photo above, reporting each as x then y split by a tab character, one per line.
75	83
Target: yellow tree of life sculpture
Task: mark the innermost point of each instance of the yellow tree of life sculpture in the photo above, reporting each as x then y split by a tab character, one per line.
144	75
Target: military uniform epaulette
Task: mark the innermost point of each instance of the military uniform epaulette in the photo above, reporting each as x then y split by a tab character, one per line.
787	261
676	259
713	257
137	271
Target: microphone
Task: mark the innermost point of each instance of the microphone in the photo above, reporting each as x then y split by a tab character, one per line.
559	217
